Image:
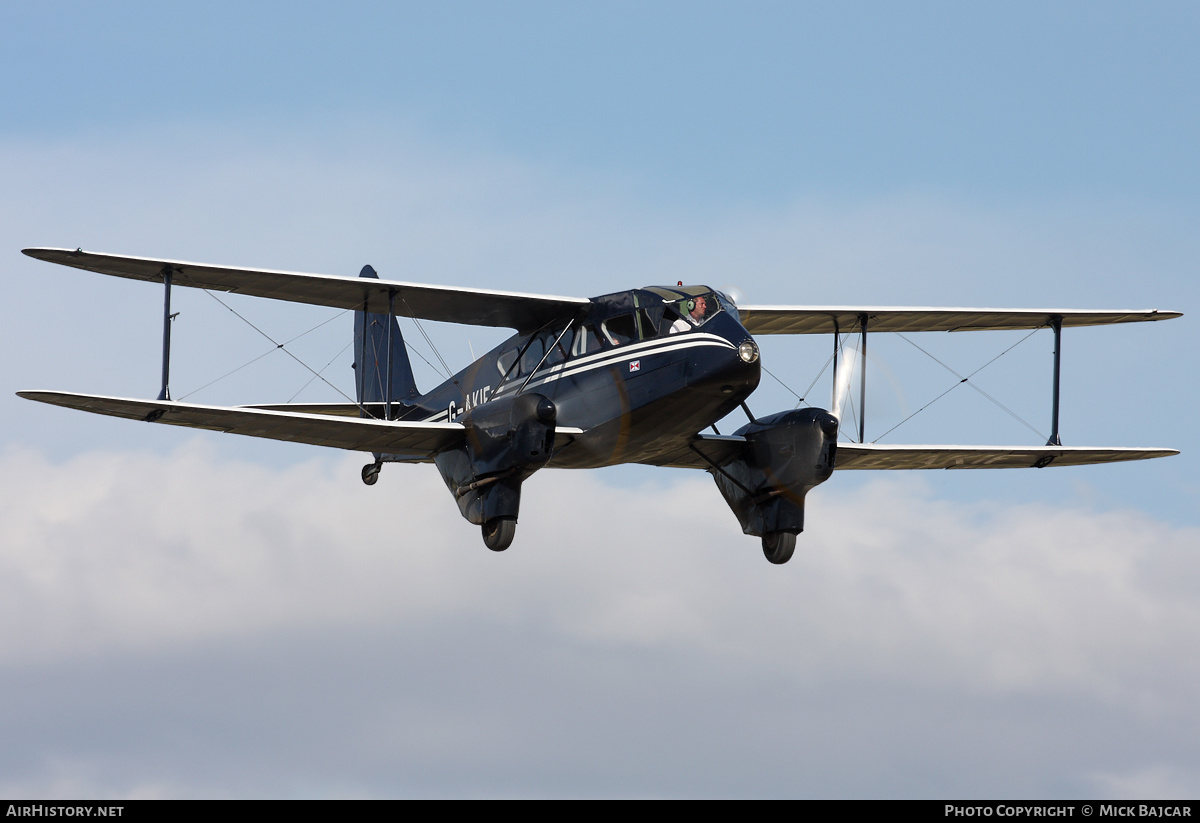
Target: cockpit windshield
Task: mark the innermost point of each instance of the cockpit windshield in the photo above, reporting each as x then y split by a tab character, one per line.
689	307
695	311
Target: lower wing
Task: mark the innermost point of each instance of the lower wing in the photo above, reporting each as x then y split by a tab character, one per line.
704	451
416	441
874	456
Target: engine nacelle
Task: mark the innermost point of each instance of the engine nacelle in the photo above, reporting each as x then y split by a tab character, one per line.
507	441
786	455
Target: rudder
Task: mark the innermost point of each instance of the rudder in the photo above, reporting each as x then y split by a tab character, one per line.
371	357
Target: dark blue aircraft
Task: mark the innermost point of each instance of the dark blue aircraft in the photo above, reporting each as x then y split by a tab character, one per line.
631	377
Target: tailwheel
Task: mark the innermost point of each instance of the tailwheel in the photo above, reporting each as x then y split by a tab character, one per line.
778	546
498	533
370	473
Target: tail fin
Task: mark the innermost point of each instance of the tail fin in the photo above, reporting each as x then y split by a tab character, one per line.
371	357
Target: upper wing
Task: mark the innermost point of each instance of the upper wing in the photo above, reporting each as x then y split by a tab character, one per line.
419	441
825	319
874	456
478	307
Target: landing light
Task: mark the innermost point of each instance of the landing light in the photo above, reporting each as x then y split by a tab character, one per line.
748	351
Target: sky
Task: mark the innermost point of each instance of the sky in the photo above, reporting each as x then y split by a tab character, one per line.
187	614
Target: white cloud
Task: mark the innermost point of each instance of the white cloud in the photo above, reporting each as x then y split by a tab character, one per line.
619	617
1149	782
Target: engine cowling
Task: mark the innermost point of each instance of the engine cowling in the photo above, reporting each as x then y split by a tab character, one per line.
507	440
786	455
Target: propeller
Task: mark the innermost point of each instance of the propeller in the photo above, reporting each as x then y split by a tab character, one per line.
735	294
847	361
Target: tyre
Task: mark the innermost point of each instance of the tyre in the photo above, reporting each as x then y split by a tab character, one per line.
778	546
498	533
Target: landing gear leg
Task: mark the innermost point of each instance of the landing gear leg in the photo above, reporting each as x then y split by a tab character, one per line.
370	473
498	533
778	546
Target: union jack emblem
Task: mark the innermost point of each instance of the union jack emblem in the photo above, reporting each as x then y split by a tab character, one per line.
635	365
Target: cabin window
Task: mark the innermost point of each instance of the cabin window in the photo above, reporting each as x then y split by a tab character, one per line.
728	305
650	320
673	322
558	352
620	329
505	361
586	340
533	355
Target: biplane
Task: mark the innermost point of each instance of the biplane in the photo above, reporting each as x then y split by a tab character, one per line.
638	376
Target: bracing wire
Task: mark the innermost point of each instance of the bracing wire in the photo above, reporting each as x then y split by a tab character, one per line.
281	346
850	414
323	368
227	374
448	373
823	367
425	360
799	399
961	381
264	354
918	411
849	393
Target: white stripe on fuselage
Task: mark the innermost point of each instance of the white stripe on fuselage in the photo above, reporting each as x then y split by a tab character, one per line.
570	368
576	366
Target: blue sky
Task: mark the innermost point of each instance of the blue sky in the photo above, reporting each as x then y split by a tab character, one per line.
920	154
759	103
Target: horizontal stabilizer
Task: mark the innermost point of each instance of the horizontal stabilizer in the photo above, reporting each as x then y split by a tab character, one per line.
419	441
827	319
476	307
875	456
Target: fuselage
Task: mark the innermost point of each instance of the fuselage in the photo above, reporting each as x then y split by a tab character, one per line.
638	373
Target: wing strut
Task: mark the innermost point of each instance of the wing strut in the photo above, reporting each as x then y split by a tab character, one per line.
862	381
387	394
1056	324
837	350
1055	321
165	392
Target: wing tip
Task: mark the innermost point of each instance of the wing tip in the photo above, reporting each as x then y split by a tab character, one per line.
53	255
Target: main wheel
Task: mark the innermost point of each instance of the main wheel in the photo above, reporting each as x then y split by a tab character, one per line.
498	533
370	473
778	546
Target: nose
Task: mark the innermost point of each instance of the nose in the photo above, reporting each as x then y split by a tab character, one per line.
740	369
748	351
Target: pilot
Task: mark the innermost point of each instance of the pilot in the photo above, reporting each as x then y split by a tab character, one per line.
696	309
